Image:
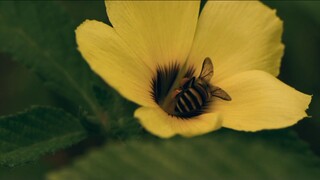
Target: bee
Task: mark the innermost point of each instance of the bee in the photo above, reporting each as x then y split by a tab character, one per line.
194	93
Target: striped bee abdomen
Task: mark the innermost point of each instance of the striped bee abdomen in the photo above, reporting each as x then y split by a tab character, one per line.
191	99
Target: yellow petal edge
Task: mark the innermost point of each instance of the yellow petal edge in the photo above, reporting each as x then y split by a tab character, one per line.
114	61
260	101
159	123
238	36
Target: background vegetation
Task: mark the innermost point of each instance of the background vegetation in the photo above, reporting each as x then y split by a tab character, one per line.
82	129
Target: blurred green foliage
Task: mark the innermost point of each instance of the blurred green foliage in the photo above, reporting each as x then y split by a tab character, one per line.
39	36
39	130
222	155
21	85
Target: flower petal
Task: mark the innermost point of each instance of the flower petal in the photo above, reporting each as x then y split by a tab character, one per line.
157	31
260	101
238	36
112	59
159	123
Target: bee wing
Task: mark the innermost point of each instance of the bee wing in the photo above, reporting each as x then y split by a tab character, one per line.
207	70
220	93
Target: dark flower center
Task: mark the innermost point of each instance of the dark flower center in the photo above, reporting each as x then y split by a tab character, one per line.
178	96
181	94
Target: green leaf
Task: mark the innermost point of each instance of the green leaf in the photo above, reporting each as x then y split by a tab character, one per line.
121	123
41	36
34	171
34	132
220	155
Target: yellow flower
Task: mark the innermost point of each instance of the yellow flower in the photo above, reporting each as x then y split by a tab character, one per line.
155	48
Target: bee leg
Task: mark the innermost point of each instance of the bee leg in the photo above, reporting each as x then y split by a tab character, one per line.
175	93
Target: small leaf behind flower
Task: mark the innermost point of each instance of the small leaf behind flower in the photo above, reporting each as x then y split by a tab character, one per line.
121	124
32	133
221	155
